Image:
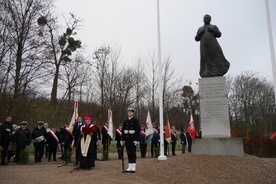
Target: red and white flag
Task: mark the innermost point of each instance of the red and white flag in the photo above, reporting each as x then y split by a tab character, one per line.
168	131
273	136
74	116
191	128
110	124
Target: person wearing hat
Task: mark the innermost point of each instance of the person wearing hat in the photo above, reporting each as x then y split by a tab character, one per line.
130	138
38	135
87	141
22	138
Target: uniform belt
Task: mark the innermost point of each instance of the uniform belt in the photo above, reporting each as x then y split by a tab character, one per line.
129	131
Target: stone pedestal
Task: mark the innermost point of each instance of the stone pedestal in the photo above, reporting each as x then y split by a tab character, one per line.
214	119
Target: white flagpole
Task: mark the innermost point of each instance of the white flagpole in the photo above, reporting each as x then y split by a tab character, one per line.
271	45
162	156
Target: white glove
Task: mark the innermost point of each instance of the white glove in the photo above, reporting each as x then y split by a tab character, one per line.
98	142
135	143
122	143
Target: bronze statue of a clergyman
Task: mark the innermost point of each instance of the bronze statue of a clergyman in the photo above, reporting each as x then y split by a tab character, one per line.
212	60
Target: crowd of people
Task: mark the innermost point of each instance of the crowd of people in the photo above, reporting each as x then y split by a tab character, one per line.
84	139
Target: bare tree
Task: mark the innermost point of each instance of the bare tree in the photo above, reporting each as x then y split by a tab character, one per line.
102	63
152	83
59	46
22	47
251	102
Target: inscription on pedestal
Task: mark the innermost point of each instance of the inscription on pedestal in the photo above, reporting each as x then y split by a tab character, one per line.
214	114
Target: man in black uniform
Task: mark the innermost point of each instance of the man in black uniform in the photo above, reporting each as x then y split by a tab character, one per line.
130	137
38	135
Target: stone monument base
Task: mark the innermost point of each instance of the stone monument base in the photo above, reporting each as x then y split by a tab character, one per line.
218	146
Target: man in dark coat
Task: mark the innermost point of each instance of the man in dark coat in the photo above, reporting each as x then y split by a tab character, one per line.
39	135
77	133
22	137
131	137
6	137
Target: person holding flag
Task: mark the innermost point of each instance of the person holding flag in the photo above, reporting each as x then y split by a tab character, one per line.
106	140
190	134
77	133
67	141
155	141
173	139
130	137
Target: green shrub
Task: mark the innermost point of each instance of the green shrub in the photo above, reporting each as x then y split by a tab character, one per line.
24	156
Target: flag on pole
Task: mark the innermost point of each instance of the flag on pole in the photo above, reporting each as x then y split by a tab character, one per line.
74	116
110	124
149	129
191	128
273	136
168	131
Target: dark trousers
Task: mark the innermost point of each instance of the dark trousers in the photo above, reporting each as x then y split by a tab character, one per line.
78	152
87	162
173	148
189	145
131	154
52	151
165	148
46	150
39	153
143	150
5	145
153	147
18	152
120	152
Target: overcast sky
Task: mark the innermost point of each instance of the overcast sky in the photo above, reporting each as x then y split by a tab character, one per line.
132	25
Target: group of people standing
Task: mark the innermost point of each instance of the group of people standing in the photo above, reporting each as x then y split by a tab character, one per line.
85	137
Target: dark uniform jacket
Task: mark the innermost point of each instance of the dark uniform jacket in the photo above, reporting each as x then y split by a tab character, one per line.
22	137
6	136
131	131
37	133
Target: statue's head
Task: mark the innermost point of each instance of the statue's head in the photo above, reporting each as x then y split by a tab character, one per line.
207	19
